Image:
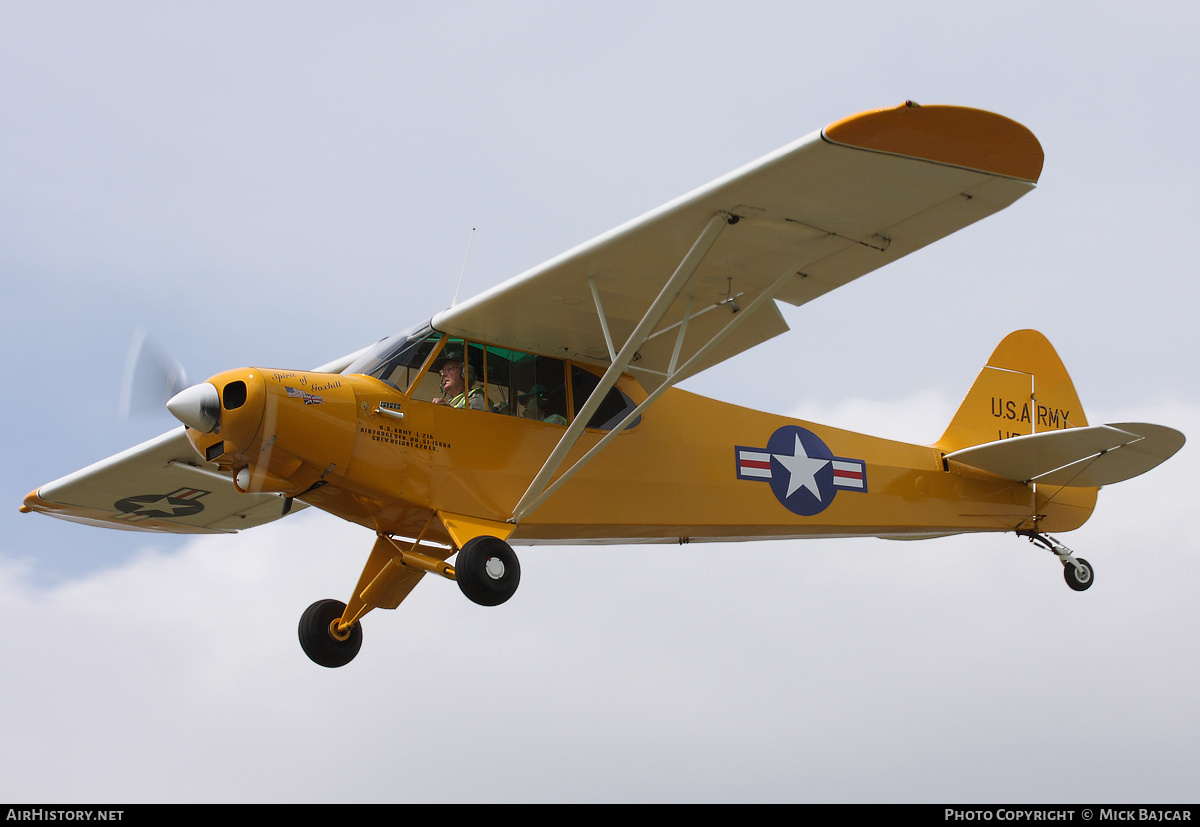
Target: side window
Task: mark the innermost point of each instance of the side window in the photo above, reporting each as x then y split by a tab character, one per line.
498	380
615	407
456	376
429	386
521	384
510	382
539	388
475	371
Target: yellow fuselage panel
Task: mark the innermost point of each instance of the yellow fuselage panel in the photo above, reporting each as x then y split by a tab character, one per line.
693	468
675	475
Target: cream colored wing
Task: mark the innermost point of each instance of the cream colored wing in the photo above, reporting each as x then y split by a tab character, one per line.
801	221
160	485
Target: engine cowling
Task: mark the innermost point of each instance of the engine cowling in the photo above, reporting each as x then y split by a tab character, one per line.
276	431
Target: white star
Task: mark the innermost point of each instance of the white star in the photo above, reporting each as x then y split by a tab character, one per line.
803	470
165	506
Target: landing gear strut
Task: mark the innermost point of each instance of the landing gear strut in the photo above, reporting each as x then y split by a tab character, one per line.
1076	571
486	570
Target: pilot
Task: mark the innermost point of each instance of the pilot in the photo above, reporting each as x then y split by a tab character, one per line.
535	406
455	381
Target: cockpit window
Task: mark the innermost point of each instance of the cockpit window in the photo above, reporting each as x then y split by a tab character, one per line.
615	407
396	359
512	382
526	385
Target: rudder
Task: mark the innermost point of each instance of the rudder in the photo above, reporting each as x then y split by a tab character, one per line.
1023	389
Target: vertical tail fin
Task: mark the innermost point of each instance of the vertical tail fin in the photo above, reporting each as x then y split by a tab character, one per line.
1023	389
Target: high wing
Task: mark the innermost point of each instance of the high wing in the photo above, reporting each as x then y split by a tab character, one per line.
801	221
160	485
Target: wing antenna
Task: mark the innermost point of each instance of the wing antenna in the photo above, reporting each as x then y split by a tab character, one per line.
464	267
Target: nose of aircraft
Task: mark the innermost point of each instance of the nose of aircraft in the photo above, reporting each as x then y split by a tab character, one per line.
198	407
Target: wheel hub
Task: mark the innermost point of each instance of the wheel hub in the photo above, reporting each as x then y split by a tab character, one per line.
494	568
335	632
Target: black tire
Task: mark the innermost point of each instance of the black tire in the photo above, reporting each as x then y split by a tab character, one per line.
316	637
1074	579
487	570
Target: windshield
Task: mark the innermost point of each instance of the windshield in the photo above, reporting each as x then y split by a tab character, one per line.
397	358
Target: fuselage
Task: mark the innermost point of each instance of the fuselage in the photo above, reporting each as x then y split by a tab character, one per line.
691	469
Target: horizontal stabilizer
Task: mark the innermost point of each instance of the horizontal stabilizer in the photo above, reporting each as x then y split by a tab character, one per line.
1086	457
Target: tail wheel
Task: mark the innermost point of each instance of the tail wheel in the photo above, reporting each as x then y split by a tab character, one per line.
320	639
1080	578
487	570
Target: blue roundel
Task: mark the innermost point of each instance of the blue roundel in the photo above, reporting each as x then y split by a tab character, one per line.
803	473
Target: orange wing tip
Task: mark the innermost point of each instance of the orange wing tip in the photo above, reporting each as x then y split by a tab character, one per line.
34	503
954	135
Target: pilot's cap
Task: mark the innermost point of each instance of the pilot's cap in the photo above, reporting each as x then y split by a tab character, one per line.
540	391
451	356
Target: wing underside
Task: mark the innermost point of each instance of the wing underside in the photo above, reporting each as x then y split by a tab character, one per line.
157	486
804	220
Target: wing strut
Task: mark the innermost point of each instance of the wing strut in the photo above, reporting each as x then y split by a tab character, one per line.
539	491
637	338
612	353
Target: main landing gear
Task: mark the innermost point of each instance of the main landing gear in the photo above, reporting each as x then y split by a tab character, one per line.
1076	571
322	639
487	572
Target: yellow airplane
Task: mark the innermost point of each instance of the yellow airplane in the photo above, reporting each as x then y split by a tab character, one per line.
543	410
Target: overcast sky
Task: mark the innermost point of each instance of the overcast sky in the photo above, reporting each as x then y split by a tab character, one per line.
277	184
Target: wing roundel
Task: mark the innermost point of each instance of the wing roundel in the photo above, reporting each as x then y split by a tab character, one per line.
158	486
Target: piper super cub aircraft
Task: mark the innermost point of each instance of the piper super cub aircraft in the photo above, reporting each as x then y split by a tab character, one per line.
543	410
